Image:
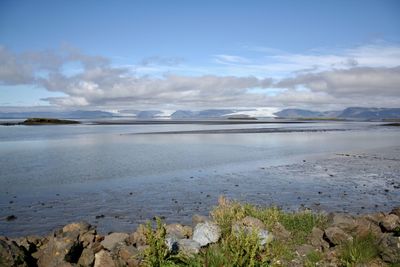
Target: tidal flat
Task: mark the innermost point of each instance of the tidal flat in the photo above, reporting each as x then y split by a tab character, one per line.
115	180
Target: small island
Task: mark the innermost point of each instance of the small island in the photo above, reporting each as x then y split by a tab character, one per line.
46	121
40	121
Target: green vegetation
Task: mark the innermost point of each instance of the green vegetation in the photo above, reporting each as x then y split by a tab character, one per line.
360	250
239	249
157	253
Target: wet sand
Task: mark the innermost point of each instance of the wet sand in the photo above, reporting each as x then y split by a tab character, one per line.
352	181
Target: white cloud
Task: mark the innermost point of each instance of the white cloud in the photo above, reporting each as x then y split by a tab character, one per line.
367	75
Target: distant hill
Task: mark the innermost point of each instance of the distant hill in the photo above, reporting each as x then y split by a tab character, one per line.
370	113
348	113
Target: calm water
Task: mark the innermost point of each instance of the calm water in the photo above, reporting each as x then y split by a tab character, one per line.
50	175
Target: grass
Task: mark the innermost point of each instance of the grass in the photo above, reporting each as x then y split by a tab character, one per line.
242	249
313	258
300	224
360	250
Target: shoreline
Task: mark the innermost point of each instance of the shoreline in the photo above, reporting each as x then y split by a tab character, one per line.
278	238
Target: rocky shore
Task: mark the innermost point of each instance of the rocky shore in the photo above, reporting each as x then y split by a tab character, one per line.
234	234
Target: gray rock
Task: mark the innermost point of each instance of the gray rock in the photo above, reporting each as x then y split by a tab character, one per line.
103	259
390	222
265	237
206	233
172	243
337	236
390	249
189	246
112	240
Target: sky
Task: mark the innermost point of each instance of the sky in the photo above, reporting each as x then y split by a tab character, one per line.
168	55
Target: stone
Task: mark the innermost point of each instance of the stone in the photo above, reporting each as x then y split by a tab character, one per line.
390	249
179	231
280	232
317	239
264	236
343	221
365	227
129	255
60	250
103	259
11	254
138	237
206	233
188	246
86	258
336	236
252	222
79	226
375	217
196	219
172	243
112	240
390	222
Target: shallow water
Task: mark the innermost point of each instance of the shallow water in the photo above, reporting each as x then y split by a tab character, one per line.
52	175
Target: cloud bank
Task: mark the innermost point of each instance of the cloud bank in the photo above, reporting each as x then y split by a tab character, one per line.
356	78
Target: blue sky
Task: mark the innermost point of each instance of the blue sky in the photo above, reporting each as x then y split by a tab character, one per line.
198	53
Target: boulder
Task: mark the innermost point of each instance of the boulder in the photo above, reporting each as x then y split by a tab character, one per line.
390	249
138	237
280	232
206	233
188	246
264	236
112	240
390	222
86	258
317	239
179	231
103	259
12	255
343	221
252	222
128	256
172	243
60	251
336	236
364	227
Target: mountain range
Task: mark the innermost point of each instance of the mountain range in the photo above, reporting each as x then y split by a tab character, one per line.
355	113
